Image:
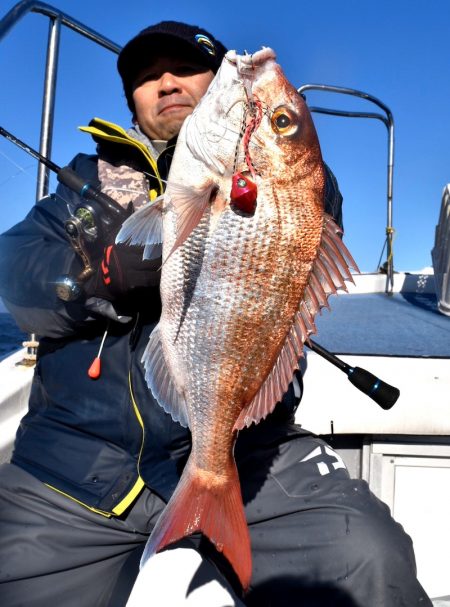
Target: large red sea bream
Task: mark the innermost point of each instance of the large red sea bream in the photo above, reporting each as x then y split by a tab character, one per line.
249	258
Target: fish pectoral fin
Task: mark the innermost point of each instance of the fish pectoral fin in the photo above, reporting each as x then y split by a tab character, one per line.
189	204
329	272
203	502
161	382
144	228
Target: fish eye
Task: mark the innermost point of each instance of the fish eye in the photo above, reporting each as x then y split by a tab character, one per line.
284	122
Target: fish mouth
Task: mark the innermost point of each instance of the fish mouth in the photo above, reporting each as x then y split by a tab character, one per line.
265	54
251	61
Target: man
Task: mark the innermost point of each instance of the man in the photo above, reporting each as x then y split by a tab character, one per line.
95	460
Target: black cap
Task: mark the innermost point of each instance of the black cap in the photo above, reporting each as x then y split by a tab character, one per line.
166	35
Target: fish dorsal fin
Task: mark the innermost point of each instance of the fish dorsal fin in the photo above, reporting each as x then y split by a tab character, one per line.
189	204
161	382
329	272
144	228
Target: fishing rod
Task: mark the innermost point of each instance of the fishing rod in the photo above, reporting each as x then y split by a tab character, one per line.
83	225
72	180
97	216
382	393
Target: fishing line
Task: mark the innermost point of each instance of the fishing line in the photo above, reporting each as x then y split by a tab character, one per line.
21	172
240	135
116	189
18	166
256	113
25	170
151	175
154	176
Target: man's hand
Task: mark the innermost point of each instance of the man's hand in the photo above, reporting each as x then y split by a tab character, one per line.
121	270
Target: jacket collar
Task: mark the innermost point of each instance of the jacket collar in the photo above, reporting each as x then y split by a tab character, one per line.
102	130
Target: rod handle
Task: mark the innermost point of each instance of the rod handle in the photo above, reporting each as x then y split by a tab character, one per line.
382	393
72	180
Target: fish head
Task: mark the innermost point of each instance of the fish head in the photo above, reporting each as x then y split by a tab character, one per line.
284	147
250	122
211	134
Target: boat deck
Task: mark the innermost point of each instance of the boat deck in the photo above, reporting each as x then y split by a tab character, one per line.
402	324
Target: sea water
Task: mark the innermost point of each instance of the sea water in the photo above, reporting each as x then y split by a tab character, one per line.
11	337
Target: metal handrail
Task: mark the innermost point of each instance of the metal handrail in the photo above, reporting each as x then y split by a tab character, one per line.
388	121
57	18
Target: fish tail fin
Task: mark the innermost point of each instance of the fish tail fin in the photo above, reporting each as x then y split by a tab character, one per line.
213	507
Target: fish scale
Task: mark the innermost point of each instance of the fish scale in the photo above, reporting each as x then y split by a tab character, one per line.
251	266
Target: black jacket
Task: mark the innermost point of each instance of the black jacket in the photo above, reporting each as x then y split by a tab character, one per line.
84	437
98	441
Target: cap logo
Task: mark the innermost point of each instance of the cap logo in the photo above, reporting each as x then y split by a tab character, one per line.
206	44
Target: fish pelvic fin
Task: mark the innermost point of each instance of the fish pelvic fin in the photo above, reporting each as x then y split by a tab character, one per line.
328	274
202	502
144	228
160	380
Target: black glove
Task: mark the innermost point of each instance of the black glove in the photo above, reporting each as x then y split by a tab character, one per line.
121	271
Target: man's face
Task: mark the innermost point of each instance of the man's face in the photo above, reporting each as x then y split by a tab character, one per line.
166	91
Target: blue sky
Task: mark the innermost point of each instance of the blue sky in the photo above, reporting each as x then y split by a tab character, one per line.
395	50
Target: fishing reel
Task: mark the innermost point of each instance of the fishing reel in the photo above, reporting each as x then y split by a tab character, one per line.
83	231
88	229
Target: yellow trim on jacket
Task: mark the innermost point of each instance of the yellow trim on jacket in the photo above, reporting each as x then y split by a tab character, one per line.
115	133
138	485
112	132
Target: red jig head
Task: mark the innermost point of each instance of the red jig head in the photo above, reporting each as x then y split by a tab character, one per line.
243	195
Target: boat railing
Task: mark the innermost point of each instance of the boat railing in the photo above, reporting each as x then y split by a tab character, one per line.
388	120
58	18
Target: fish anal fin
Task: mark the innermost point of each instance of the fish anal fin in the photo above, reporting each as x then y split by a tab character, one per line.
329	272
203	502
273	388
161	382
